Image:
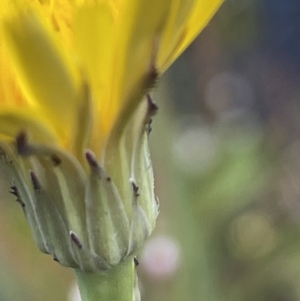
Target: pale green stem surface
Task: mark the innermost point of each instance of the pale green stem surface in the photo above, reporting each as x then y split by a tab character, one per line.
115	285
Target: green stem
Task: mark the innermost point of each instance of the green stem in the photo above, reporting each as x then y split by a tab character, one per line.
117	284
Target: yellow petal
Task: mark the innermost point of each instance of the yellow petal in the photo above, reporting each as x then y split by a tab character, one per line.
118	51
139	29
14	120
41	71
94	37
10	93
178	14
198	17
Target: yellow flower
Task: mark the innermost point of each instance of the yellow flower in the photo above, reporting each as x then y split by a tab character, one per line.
73	76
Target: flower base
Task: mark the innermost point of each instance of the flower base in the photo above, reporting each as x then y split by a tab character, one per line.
117	284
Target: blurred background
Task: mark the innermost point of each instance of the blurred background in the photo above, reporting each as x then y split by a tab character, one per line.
226	154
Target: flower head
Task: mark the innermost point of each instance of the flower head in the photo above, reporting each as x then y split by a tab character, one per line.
75	114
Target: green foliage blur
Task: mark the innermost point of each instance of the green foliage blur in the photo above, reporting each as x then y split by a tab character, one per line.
226	148
226	154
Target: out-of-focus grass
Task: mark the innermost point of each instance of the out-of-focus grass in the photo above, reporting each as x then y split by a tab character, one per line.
228	161
236	240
